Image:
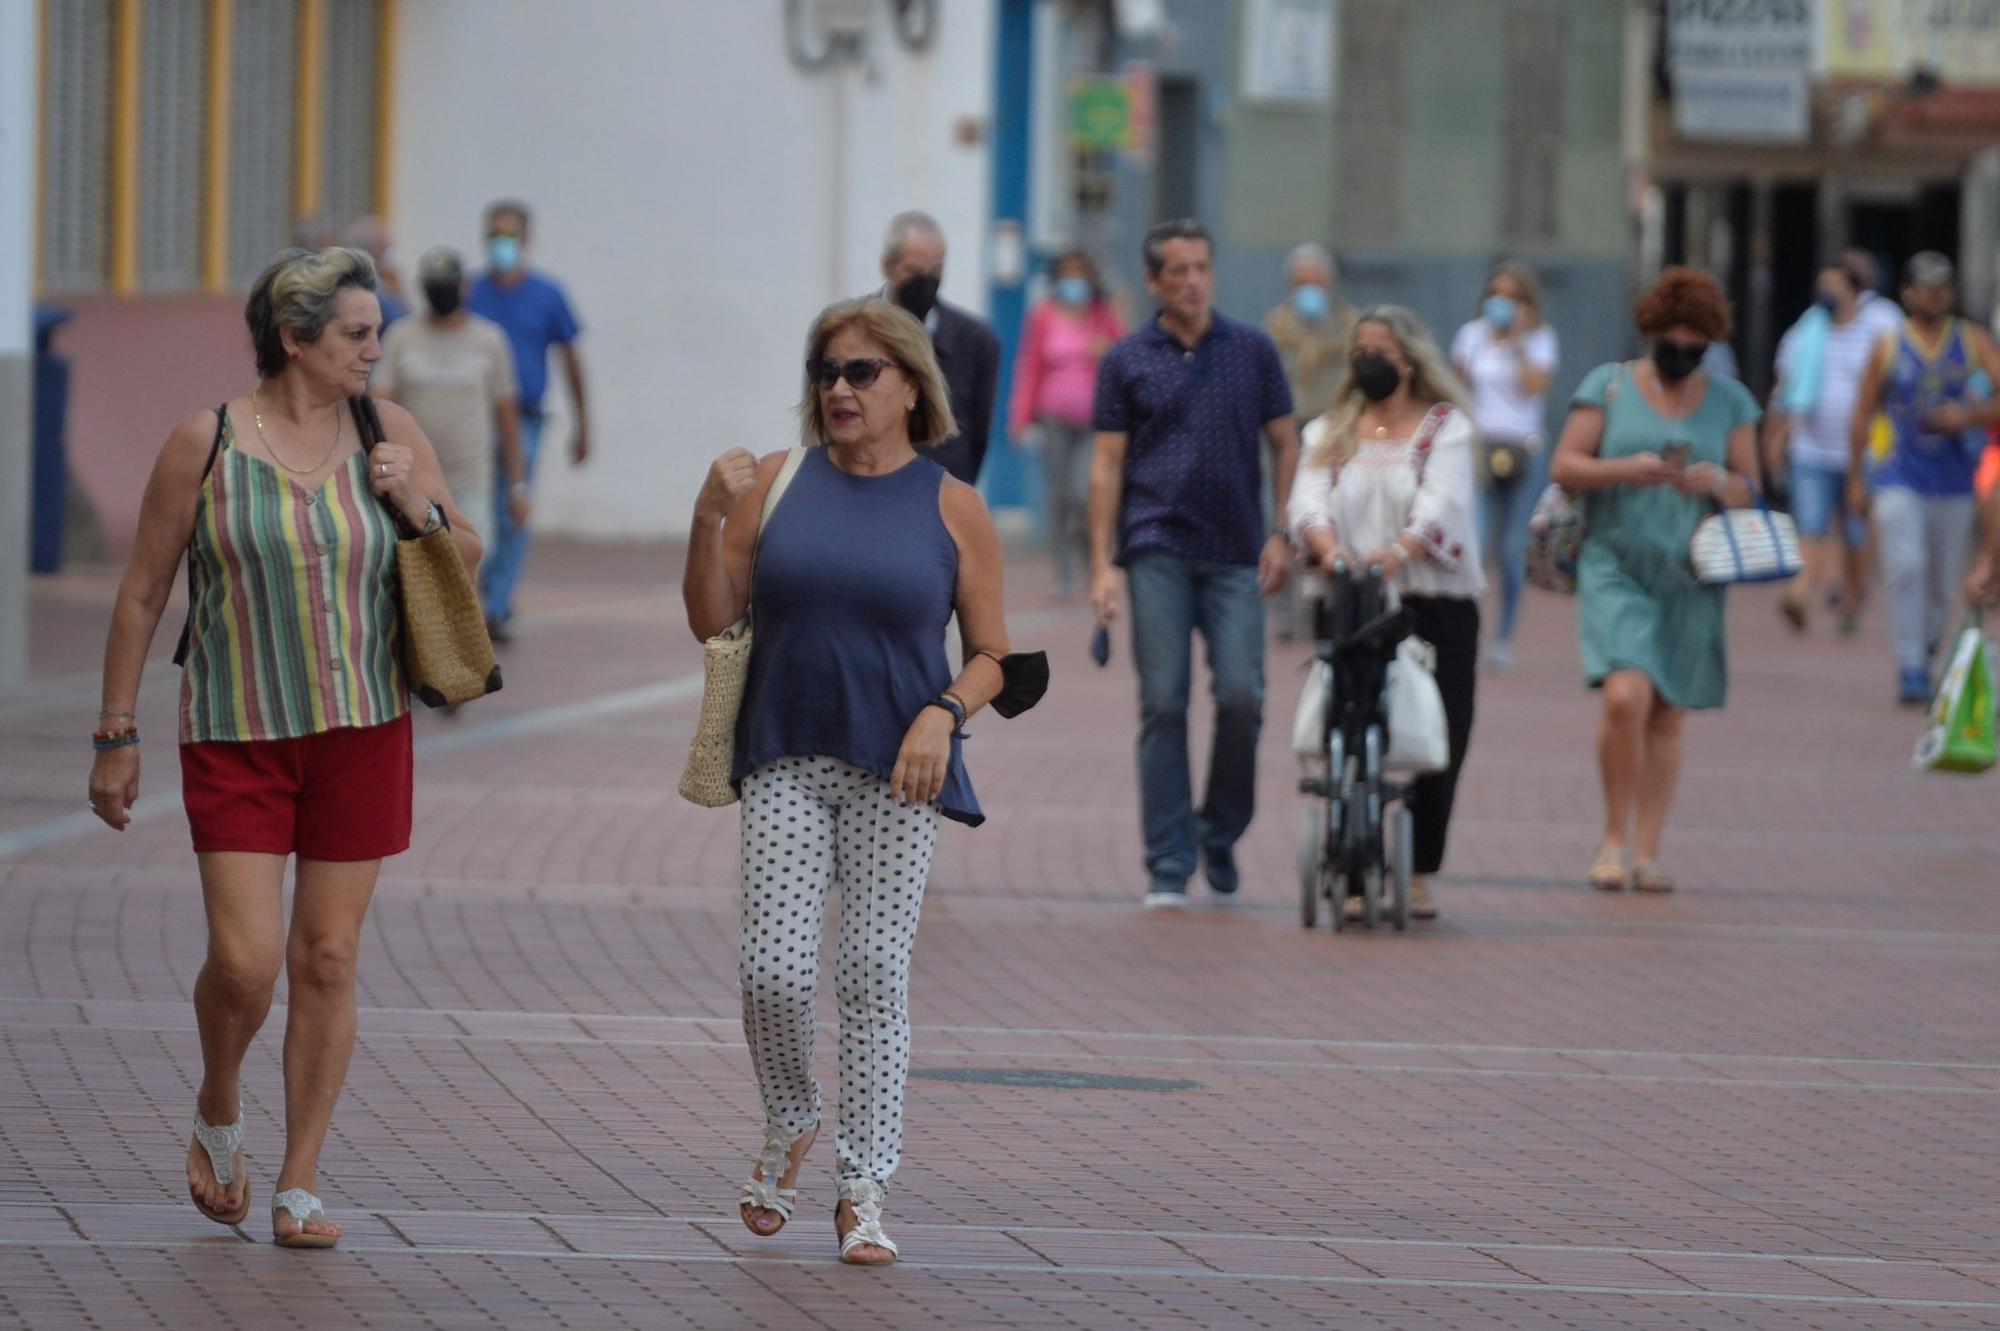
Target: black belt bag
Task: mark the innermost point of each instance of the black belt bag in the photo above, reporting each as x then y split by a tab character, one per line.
1506	460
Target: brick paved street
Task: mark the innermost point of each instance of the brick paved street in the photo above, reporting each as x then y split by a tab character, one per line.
1770	1100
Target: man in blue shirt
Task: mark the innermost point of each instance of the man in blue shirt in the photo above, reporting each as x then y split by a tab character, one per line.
1183	405
534	313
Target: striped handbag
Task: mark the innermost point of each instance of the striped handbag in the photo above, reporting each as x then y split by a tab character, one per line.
1746	545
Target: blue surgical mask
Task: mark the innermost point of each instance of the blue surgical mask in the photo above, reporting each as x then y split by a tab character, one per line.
504	252
1501	311
1073	290
1827	301
1311	301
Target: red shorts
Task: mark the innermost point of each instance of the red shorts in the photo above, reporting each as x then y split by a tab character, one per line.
338	795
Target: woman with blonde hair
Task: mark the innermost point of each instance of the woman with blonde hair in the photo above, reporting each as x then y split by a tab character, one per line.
848	742
1387	483
294	716
1506	357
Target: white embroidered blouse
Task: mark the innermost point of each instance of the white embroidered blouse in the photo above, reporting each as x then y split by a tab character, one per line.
1420	487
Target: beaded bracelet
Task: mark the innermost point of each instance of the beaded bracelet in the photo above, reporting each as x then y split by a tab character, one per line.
114	739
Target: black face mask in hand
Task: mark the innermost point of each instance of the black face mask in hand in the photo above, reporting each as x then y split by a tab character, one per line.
1024	678
1676	361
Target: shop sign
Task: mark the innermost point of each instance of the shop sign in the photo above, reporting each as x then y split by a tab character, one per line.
1888	40
1742	105
1739	34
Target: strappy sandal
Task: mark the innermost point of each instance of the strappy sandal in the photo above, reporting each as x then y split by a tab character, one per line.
1651	876
773	1163
302	1206
865	1196
1608	872
222	1144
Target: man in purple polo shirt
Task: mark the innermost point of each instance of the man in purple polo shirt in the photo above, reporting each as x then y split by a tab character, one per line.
1183	405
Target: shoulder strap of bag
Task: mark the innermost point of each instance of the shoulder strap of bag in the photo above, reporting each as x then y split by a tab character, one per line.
214	451
779	485
366	420
1433	421
368	424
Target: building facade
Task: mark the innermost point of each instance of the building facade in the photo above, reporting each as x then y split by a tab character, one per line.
1778	135
1421	140
704	176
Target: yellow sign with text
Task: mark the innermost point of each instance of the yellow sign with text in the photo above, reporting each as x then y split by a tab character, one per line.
1957	40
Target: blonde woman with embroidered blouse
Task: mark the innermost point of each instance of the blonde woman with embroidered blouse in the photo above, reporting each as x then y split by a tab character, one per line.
1387	481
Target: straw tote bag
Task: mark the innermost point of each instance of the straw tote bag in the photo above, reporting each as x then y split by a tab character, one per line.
725	670
447	656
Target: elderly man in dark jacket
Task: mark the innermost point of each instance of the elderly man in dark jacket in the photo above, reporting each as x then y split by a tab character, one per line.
967	349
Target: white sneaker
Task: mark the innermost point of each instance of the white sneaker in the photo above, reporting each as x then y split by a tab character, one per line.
1166	901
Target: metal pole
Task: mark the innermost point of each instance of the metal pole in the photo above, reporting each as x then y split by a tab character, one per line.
18	48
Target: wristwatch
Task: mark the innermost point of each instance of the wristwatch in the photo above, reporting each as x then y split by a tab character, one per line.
433	519
952	705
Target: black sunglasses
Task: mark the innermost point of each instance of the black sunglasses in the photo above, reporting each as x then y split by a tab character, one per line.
860	372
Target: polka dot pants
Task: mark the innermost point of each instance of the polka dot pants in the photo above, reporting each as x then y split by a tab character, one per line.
808	823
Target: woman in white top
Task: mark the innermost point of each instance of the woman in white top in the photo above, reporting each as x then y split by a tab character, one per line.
1507	356
1387	480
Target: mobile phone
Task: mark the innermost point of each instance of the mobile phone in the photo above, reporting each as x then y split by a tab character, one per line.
1678	455
1100	645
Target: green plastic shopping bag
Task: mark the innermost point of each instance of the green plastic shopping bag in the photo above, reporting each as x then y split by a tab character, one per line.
1959	733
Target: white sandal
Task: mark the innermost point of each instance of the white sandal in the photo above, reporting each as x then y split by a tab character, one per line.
764	1194
222	1144
302	1206
865	1195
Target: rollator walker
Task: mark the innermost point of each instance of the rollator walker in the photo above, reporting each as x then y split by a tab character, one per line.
1356	830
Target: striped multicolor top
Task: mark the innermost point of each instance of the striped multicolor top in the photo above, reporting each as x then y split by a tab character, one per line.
294	621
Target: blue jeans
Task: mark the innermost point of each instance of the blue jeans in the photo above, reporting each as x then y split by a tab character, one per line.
1504	510
500	569
1172	599
1819	496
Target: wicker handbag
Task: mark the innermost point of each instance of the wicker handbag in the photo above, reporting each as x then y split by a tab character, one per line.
725	671
447	655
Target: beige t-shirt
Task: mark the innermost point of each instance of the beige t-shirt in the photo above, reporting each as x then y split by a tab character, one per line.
450	379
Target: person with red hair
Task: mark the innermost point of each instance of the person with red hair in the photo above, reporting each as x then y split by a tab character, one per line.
1653	445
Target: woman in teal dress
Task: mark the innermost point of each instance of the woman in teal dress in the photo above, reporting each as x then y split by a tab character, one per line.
1654	444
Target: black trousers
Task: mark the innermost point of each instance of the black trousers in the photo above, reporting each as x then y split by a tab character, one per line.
1450	624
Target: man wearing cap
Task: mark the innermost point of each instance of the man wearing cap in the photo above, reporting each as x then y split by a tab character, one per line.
453	371
1934	380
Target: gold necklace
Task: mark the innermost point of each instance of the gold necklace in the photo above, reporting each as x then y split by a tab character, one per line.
258	416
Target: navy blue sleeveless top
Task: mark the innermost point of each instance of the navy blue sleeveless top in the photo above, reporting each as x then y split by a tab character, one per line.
852	593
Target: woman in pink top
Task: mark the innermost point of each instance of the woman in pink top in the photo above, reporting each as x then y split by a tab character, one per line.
1054	380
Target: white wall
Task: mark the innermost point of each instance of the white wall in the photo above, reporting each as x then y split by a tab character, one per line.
687	184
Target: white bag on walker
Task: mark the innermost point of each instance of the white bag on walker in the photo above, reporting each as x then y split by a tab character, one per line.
1309	721
1419	741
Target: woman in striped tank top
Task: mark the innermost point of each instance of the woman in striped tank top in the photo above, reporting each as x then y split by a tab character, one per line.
294	715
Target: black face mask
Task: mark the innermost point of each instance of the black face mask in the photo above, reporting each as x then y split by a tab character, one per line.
1376	376
1676	361
443	297
1024	679
918	294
